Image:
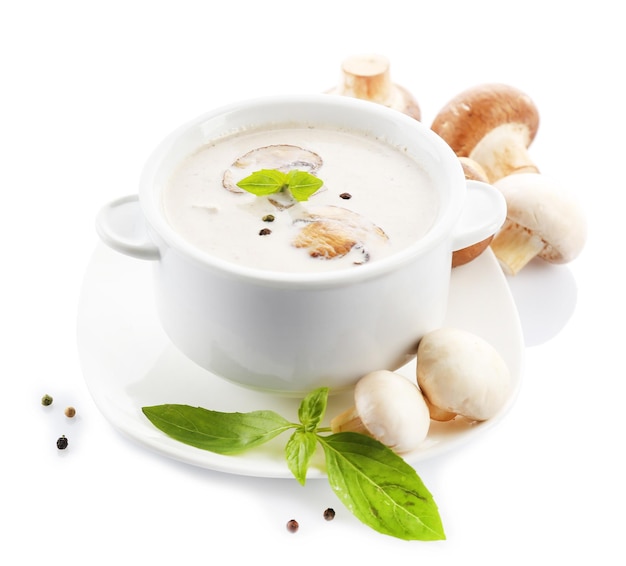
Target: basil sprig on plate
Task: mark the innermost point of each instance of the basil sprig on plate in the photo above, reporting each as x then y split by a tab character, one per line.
371	480
300	184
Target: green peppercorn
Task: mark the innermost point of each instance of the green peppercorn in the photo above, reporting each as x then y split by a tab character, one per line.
268	218
292	526
46	400
329	514
62	443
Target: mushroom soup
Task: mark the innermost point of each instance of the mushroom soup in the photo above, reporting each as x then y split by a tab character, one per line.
374	200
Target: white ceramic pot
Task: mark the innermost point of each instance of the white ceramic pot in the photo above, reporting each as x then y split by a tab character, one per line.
291	332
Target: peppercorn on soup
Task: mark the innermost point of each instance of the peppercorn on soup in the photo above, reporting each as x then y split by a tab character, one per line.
300	199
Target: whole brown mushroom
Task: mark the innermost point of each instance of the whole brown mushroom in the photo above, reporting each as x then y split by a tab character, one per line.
368	77
493	124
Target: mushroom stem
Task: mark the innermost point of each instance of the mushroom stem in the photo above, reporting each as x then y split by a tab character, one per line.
348	421
515	246
503	151
438	414
368	77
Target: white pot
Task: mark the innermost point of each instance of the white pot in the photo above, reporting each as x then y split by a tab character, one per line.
291	332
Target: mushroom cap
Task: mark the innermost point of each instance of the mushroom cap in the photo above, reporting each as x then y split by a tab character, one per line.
473	113
461	373
392	409
542	206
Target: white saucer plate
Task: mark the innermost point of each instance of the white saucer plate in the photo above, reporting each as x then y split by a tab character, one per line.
128	362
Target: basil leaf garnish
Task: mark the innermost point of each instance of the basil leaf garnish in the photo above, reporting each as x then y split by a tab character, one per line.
371	480
299	451
264	182
380	488
223	433
301	184
312	408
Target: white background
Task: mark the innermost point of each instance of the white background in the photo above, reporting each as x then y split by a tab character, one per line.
88	89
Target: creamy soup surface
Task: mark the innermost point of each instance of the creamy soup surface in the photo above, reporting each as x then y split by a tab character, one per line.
375	200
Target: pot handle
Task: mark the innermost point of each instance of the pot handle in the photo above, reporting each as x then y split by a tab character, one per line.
483	215
121	226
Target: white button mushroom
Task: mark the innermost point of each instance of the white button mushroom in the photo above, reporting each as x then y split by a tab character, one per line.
460	373
367	77
492	124
389	408
543	220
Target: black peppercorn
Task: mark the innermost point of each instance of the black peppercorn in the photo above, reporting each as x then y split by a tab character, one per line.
329	514
292	526
265	232
62	443
345	196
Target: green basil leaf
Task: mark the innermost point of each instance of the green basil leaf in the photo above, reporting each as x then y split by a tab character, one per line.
380	488
302	184
299	451
264	182
224	433
312	408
